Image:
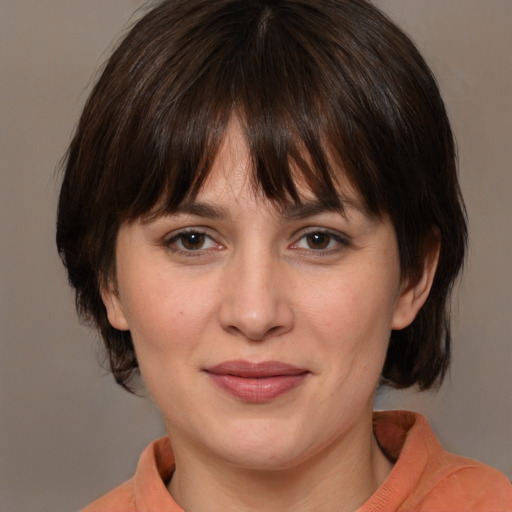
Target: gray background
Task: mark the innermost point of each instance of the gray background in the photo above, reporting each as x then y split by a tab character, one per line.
67	432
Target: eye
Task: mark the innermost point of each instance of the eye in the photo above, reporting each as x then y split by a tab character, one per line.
320	240
191	241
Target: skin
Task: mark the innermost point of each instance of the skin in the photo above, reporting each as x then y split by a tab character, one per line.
259	285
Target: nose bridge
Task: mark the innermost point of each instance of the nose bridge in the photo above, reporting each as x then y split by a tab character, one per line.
254	296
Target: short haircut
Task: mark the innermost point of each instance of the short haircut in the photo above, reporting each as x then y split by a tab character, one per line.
322	89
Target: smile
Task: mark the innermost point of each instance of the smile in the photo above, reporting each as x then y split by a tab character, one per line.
256	382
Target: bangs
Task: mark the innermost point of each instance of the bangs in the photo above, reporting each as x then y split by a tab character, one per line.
269	76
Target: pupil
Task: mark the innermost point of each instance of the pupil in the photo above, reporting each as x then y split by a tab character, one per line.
318	240
193	241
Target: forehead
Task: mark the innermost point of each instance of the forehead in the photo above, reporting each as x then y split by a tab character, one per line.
284	175
232	178
231	184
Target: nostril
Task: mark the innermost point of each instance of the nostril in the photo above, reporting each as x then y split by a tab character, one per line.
275	330
257	333
254	306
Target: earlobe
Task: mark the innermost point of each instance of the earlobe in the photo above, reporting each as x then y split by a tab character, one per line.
115	312
414	293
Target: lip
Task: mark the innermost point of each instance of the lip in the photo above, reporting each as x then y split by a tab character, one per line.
256	382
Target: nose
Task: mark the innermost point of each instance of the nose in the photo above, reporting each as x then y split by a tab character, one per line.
255	301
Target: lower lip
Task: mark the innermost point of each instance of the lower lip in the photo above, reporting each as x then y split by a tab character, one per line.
260	389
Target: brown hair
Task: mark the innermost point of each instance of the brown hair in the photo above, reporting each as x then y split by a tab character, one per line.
312	82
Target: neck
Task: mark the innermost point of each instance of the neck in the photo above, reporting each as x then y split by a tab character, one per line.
341	477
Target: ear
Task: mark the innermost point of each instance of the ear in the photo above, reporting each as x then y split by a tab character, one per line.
112	303
414	291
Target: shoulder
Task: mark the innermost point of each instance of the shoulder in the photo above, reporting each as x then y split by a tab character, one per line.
451	483
146	490
120	498
468	486
427	478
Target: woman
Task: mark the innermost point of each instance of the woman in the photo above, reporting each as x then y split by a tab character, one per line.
260	212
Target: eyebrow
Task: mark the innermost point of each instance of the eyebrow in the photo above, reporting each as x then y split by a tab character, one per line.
202	209
311	208
292	211
197	208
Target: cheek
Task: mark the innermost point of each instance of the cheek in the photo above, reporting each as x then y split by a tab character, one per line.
353	319
350	308
167	313
168	318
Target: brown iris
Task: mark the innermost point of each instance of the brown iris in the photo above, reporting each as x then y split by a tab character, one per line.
318	240
192	241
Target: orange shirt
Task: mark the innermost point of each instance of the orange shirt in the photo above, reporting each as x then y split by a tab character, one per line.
425	478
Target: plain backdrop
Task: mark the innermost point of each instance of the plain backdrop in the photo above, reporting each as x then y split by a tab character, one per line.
67	432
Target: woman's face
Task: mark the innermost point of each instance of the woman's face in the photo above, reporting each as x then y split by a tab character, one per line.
260	331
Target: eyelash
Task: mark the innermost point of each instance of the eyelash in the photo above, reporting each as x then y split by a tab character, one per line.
170	243
340	240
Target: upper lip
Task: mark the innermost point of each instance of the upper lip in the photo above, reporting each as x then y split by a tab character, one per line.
250	369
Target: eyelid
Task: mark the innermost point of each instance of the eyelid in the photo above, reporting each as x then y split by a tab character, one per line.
341	238
170	238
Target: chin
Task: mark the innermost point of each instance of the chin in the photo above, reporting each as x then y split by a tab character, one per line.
263	445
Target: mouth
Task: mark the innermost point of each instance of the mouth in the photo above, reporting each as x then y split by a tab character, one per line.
256	382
